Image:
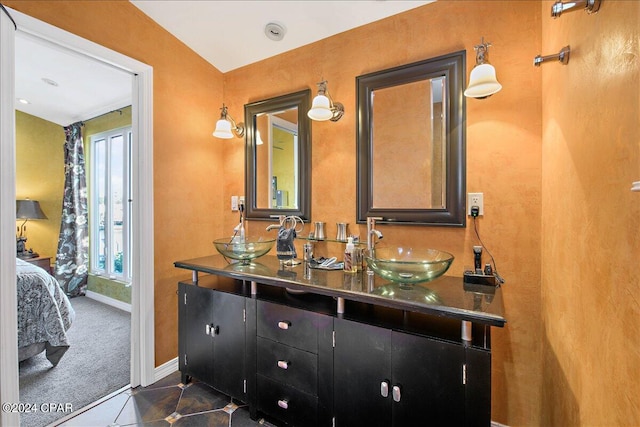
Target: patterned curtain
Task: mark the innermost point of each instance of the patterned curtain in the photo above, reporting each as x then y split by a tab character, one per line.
72	259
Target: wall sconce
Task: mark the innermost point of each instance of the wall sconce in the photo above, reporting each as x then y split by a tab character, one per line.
26	209
482	80
323	108
590	6
226	124
562	56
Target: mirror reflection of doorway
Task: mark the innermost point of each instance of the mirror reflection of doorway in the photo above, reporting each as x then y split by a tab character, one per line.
283	163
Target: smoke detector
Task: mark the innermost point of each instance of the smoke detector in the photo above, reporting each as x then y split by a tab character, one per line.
275	31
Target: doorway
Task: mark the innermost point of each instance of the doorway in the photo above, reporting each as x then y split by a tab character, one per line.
142	311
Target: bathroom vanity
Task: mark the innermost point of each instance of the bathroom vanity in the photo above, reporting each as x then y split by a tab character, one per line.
313	347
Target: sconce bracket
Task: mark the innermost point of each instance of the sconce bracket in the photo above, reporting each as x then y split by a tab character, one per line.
338	111
238	130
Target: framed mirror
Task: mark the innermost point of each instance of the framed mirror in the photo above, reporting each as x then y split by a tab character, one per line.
411	143
278	157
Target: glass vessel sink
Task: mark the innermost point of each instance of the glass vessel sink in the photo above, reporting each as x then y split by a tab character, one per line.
245	250
408	265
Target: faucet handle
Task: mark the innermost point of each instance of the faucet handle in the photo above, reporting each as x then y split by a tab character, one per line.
371	220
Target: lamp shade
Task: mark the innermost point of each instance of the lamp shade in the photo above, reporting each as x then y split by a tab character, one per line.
29	209
320	109
482	82
223	129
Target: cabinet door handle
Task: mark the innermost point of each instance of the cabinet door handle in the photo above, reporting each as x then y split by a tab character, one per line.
396	393
284	324
214	330
207	329
283	403
283	364
384	389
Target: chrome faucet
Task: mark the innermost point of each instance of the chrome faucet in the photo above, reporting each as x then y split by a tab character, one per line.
279	224
372	232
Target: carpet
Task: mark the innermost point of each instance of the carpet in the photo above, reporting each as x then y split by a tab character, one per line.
96	364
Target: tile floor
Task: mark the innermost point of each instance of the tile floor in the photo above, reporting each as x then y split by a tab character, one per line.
168	402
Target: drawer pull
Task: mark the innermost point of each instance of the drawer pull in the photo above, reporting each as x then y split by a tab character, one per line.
284	404
283	364
396	393
284	324
384	389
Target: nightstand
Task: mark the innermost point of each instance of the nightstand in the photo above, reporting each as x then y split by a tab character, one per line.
43	262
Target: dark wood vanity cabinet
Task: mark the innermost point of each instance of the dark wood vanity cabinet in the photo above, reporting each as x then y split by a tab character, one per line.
211	338
294	359
389	378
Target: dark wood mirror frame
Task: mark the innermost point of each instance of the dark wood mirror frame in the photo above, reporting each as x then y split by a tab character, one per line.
453	67
301	100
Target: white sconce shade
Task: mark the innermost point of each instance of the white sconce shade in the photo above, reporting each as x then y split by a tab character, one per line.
320	109
482	80
226	127
323	108
223	129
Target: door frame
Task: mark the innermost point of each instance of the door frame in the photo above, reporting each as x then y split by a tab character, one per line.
142	298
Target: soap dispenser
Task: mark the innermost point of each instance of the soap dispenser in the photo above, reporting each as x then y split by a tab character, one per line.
349	265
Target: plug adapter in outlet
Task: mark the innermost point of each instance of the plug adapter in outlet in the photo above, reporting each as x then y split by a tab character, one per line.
475	199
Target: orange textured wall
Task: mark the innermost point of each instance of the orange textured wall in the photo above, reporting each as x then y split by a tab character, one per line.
187	162
503	157
590	232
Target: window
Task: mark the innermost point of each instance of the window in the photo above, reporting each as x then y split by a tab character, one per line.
110	194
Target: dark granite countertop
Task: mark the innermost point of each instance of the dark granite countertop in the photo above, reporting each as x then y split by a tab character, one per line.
446	296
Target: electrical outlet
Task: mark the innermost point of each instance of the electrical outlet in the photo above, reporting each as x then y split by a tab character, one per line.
234	203
242	201
475	199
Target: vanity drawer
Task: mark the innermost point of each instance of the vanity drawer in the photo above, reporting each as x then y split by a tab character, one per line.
286	403
288	365
290	326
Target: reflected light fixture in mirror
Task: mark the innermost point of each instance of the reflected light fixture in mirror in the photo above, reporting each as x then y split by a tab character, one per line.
323	108
482	80
226	127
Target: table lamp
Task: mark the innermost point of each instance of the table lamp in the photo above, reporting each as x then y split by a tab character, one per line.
26	209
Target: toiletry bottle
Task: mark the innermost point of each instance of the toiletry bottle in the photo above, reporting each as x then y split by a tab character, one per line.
349	266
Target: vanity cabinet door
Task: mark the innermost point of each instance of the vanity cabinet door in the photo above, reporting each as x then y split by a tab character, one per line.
228	334
212	338
196	345
362	374
427	387
390	378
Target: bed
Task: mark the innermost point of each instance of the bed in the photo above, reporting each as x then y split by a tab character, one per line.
44	314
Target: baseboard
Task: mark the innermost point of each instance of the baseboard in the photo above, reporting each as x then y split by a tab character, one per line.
497	424
109	301
165	369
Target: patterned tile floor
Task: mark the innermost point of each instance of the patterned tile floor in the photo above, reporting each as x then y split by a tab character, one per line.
168	402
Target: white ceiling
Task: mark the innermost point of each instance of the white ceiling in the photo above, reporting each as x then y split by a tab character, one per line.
228	34
85	87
